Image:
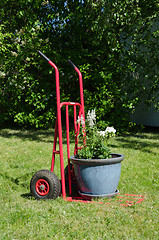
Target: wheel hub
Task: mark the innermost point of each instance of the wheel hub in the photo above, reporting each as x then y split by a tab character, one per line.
42	187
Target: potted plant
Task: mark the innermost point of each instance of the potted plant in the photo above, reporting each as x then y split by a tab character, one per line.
97	169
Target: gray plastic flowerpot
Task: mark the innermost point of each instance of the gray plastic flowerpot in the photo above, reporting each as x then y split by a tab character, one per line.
98	177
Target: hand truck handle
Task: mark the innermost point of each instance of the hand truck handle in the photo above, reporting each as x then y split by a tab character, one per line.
46	58
71	63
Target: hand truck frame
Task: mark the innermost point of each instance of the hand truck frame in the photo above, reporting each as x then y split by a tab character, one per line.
44	183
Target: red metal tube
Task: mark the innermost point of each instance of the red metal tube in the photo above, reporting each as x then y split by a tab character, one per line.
82	103
81	90
68	150
59	128
54	147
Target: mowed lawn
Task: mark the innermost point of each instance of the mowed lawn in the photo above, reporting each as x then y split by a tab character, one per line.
22	153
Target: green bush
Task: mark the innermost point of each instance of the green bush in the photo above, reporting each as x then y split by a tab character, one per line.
114	43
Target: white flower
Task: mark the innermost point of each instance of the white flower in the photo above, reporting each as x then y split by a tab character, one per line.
102	133
110	130
91	118
81	120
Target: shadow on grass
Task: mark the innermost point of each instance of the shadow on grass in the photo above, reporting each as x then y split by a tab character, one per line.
32	135
138	142
19	181
148	133
27	196
132	141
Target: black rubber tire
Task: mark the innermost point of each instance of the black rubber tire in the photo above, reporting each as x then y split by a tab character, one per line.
52	181
73	180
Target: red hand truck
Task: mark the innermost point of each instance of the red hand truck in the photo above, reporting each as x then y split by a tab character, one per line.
44	183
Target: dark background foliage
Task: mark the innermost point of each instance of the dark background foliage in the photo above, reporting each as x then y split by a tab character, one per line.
114	44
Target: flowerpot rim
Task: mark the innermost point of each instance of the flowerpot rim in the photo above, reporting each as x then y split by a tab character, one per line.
116	158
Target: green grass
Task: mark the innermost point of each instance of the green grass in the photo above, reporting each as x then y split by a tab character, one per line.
24	152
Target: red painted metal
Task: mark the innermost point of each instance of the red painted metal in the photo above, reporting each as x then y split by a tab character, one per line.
82	113
81	90
68	149
70	103
54	148
42	187
58	126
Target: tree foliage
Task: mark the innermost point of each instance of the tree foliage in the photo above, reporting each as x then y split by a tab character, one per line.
114	43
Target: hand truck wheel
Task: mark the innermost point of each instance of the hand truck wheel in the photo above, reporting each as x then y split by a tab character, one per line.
73	180
45	185
73	177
